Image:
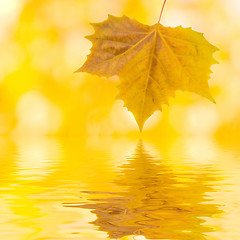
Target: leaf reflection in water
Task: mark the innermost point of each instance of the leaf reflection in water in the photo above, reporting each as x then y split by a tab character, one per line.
157	203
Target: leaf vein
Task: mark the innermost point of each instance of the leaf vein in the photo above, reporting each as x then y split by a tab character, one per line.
183	40
111	40
133	46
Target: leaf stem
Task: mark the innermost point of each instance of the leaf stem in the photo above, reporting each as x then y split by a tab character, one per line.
162	11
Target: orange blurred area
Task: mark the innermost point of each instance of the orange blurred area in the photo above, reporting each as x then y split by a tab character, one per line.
42	43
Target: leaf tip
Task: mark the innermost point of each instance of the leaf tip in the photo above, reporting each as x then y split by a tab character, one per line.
93	24
110	16
78	70
89	37
140	125
212	99
140	128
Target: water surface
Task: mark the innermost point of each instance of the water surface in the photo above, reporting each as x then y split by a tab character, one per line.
106	188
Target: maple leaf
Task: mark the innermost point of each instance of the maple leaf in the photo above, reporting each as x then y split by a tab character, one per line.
152	62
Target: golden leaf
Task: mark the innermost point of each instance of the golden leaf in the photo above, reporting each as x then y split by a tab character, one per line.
152	62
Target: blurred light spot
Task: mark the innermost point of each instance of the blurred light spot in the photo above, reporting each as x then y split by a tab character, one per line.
9	10
76	43
201	149
11	57
233	8
36	115
201	119
196	119
7	7
64	16
103	8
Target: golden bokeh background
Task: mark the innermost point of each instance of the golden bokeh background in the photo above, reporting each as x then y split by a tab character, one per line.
42	43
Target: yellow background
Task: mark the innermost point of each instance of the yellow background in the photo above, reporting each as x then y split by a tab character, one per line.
42	43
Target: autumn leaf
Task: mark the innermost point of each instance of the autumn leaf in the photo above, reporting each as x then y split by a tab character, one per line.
152	62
